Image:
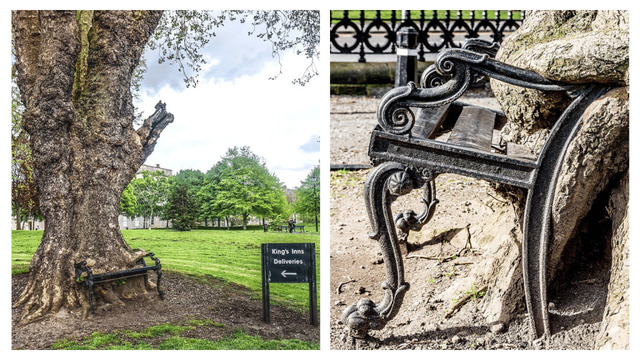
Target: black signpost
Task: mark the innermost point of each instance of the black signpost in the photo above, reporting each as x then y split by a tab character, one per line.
289	263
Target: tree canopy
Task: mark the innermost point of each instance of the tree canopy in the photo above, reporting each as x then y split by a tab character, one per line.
240	184
183	202
307	201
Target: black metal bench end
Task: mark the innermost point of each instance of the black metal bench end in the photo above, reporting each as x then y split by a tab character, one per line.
91	279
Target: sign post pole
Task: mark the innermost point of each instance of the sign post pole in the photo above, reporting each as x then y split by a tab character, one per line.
266	306
313	296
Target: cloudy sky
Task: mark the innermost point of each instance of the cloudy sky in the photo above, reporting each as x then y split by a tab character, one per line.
235	104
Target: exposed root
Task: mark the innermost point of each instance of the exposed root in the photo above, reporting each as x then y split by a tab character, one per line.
339	289
465	299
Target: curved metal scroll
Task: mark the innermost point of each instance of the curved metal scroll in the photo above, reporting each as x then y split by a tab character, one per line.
383	186
447	79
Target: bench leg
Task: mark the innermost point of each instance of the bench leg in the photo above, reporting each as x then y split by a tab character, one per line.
160	292
90	286
383	186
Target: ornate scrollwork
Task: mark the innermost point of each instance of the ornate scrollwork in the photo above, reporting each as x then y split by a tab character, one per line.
482	47
432	78
394	113
383	186
401	118
448	78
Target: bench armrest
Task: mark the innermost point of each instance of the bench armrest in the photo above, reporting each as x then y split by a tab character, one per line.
449	77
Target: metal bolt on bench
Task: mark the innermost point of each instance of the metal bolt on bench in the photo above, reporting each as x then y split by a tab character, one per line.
91	279
407	156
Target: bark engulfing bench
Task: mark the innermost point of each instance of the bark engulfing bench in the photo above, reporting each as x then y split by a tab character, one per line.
406	155
92	279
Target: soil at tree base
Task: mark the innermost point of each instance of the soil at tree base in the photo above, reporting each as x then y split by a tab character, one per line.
185	299
357	269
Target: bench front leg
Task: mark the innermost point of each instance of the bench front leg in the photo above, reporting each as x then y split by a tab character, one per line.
383	186
158	272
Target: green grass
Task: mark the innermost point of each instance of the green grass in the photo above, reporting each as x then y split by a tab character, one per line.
169	337
232	256
23	244
239	340
415	14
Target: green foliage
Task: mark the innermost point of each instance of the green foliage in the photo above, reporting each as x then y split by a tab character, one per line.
128	202
150	190
24	195
182	33
308	195
241	185
183	205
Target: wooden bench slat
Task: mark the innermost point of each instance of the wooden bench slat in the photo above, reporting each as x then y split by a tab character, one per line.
473	129
428	120
519	151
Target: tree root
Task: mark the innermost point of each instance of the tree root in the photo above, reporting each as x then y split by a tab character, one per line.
465	299
339	289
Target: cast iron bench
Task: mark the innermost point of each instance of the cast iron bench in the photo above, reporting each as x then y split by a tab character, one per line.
406	155
298	228
91	279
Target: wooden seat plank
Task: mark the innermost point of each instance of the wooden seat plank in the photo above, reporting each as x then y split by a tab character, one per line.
428	120
473	129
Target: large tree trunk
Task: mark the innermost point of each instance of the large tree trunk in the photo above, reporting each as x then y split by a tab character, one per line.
573	47
74	74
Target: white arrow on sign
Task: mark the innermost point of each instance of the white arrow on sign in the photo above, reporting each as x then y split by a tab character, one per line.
285	273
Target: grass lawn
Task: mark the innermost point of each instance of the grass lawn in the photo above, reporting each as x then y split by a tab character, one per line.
415	14
168	337
232	256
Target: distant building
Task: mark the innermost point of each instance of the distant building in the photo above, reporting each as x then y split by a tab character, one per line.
144	167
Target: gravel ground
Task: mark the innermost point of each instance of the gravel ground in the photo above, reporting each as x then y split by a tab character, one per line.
357	269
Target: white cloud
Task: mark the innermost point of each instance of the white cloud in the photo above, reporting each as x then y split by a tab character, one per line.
274	117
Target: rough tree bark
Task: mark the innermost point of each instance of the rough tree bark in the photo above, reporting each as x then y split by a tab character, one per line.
574	47
74	74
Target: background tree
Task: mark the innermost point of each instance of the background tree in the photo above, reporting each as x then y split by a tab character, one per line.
128	202
207	194
308	196
151	191
246	187
183	202
74	72
24	195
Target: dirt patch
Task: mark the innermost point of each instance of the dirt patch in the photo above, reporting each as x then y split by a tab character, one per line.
185	299
357	269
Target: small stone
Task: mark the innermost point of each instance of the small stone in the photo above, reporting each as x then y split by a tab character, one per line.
497	327
456	339
552	306
339	303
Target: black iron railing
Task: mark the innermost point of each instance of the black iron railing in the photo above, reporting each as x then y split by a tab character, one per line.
359	32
